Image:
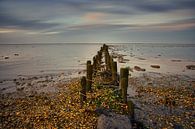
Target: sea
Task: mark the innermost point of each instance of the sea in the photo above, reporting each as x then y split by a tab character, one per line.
37	59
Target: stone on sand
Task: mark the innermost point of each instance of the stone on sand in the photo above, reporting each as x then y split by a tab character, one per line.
155	66
113	121
137	68
190	67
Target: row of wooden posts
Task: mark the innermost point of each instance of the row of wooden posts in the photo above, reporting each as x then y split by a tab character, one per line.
109	66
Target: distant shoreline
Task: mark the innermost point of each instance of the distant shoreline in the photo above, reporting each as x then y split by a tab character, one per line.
109	43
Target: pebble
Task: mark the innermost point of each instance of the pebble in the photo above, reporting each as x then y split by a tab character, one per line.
16	54
152	108
155	66
190	67
6	57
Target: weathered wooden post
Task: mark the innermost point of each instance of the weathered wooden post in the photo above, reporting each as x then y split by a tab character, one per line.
89	75
130	107
124	72
83	90
94	65
114	72
99	55
109	63
124	85
101	49
104	47
107	60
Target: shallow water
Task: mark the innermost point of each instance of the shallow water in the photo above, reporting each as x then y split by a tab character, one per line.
152	50
36	59
172	58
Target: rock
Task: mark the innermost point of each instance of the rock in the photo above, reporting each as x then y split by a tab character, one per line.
126	60
155	66
20	88
6	57
137	68
190	67
100	111
3	89
113	121
16	54
140	58
176	60
121	60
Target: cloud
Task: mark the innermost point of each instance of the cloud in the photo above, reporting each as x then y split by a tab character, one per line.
3	30
65	19
164	6
13	22
42	33
94	17
168	26
102	26
176	25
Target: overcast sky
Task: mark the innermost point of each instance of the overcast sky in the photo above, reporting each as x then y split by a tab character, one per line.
100	21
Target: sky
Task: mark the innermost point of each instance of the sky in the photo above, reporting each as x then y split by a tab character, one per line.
97	21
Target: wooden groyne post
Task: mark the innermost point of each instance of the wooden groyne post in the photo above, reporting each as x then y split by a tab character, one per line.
94	65
124	73
114	72
83	90
89	75
130	106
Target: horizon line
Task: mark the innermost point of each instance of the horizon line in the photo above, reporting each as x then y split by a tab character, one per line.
92	43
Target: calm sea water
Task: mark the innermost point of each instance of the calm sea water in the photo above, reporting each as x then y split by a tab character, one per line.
152	50
172	58
36	59
39	59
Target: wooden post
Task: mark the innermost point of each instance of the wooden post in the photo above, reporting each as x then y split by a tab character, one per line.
124	72
107	60
94	65
124	85
83	90
104	47
89	75
131	107
99	55
109	63
114	73
101	49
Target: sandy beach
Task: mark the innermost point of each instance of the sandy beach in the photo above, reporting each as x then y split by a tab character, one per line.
37	95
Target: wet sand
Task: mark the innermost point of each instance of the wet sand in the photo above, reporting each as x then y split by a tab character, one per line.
26	85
